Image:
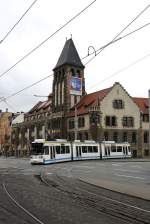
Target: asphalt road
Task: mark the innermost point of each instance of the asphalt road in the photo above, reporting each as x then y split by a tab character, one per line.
60	193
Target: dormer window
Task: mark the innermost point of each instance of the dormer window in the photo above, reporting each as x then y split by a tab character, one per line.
118	104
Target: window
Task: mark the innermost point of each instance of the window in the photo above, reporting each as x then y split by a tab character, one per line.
86	136
62	149
80	136
111	121
95	149
58	149
106	136
84	149
67	149
146	152
125	137
115	137
46	150
128	122
71	124
113	149
81	122
134	137
90	149
145	118
145	137
118	104
119	149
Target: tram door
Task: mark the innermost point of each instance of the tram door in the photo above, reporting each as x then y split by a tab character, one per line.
52	152
107	150
78	151
125	150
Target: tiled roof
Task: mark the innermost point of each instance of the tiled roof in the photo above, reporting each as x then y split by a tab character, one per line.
69	55
40	105
142	103
89	100
35	107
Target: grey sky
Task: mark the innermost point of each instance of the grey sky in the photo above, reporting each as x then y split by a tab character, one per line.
96	26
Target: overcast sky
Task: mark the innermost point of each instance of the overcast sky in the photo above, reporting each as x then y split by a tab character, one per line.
98	25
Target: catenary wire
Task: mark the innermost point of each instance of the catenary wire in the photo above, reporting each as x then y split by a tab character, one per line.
121	70
132	32
120	38
39	45
120	32
8	33
27	87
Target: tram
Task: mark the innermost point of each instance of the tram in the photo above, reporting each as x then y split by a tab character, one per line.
61	150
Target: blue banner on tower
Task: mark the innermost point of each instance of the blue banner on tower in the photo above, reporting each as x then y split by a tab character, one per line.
75	86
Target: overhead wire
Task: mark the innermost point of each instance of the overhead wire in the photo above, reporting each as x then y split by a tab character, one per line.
27	87
9	32
49	37
115	37
35	83
102	48
114	41
120	70
8	104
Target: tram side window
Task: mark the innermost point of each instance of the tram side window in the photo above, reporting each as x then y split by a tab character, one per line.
67	149
95	149
119	149
62	149
58	149
90	149
113	148
84	149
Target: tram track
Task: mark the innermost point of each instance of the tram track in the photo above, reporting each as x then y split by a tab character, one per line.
103	204
16	203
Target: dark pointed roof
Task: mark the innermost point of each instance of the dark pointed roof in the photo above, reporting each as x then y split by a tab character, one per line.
69	55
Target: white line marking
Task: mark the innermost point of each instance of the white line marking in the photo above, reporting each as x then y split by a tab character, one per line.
120	175
136	166
49	173
116	164
132	171
91	167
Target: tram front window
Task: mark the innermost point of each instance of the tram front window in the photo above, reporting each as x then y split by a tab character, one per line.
37	149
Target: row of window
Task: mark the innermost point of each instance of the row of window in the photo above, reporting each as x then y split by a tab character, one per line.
66	149
125	150
81	123
112	121
124	138
62	149
87	149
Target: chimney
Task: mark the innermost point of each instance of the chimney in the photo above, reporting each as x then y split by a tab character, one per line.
6	110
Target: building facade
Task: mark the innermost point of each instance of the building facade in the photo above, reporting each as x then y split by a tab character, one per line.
70	113
5	132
